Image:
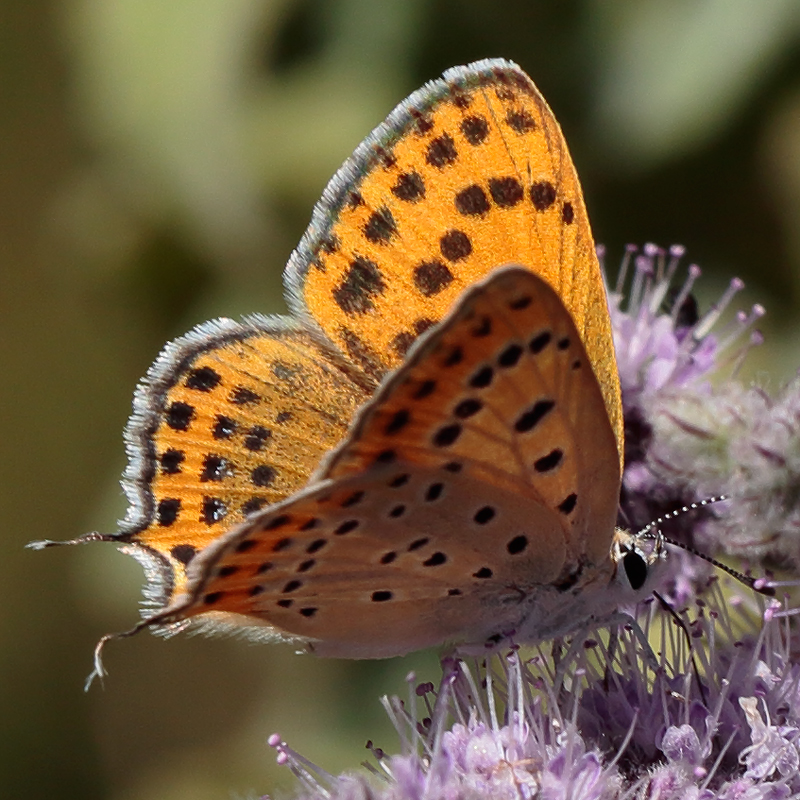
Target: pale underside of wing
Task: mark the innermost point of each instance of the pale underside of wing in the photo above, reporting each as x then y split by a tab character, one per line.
481	480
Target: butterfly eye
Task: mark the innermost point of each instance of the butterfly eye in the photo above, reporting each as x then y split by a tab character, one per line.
635	569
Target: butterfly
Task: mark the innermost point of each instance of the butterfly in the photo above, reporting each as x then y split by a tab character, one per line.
428	449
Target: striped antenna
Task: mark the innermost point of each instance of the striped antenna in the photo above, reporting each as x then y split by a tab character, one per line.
756	584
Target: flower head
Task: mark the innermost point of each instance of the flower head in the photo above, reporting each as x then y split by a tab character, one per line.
694	432
611	720
706	708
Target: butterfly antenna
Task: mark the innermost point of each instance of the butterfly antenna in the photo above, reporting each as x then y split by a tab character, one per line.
756	584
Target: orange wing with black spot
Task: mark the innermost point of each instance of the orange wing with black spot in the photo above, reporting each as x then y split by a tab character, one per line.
475	494
469	173
231	417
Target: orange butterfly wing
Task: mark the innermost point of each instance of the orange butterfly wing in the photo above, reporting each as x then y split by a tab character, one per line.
475	495
467	174
232	417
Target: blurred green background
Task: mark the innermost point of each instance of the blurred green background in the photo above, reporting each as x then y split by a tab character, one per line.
158	162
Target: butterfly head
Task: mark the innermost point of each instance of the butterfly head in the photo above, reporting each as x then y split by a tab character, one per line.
637	557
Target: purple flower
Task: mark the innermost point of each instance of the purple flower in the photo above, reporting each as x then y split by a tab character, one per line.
774	747
707	708
663	347
605	723
688	437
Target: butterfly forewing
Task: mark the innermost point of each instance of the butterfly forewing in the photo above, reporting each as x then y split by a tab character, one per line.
426	507
468	173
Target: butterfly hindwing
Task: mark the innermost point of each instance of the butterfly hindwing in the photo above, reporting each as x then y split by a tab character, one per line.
505	392
378	564
231	418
